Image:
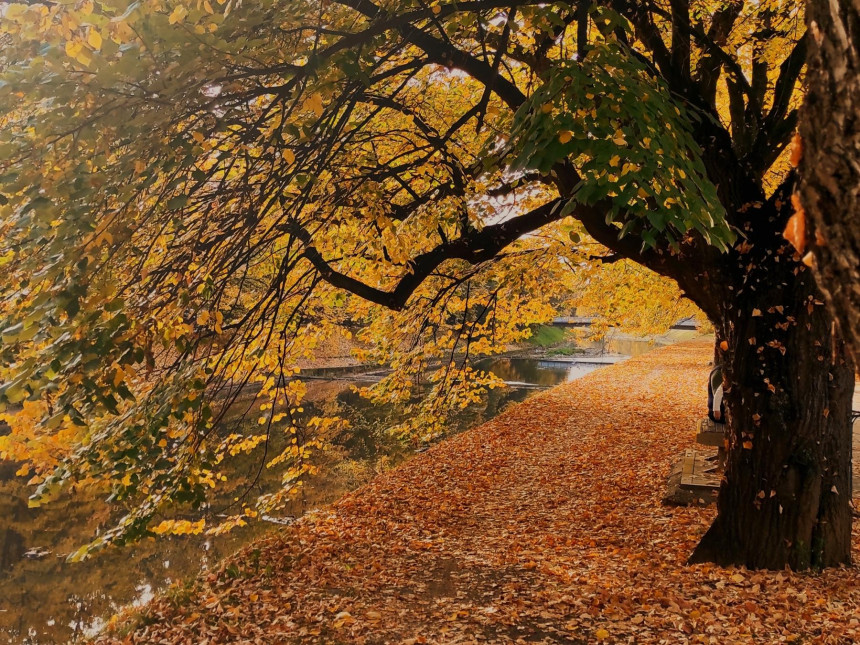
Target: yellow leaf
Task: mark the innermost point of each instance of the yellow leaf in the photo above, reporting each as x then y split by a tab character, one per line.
94	39
203	318
73	47
565	136
315	104
289	157
83	57
177	15
601	634
208	7
437	10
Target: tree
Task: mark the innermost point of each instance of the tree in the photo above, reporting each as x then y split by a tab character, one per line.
830	135
190	190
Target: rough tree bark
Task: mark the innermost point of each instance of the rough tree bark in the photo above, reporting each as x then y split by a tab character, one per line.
785	498
830	130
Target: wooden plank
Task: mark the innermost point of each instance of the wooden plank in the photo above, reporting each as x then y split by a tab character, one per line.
694	479
709	433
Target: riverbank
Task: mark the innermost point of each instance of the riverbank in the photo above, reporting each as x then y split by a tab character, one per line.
54	601
543	525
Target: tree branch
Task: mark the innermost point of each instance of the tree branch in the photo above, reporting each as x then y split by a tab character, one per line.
681	36
475	247
710	65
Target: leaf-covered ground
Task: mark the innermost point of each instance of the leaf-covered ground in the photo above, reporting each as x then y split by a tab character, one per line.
544	525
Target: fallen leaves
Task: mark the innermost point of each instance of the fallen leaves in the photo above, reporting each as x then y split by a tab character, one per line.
544	525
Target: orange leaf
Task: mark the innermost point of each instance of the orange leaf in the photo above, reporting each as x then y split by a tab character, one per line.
796	150
795	231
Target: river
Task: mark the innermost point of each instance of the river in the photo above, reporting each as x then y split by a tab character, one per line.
44	599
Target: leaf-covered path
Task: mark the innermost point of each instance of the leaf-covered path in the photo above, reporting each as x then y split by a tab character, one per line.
544	525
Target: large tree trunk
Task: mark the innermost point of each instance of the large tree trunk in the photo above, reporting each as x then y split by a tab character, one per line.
785	498
830	129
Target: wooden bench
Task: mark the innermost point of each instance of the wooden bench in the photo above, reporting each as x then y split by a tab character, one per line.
710	433
695	477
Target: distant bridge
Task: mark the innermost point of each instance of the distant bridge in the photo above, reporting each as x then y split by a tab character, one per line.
572	321
586	321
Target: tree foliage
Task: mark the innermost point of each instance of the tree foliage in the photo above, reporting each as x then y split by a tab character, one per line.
195	195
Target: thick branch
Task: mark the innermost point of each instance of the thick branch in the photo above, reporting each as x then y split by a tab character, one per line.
710	65
443	53
681	36
789	72
476	247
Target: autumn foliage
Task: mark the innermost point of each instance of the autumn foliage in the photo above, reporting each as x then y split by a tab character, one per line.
191	206
195	196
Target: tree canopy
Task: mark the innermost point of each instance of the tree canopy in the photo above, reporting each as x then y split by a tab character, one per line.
193	195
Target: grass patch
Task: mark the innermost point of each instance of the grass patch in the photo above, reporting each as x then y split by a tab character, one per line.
566	351
547	336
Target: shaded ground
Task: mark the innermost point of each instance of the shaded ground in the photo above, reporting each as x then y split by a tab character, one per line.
544	525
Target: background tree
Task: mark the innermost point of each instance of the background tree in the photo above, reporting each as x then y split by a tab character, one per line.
163	158
831	140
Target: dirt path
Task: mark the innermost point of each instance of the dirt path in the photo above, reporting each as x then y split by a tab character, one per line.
544	525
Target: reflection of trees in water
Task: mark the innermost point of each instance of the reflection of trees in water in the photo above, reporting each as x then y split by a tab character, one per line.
49	589
49	596
525	370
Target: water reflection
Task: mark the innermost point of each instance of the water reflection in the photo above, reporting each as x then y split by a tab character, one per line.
43	599
546	372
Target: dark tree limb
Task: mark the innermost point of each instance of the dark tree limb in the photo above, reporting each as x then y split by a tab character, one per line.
710	65
476	247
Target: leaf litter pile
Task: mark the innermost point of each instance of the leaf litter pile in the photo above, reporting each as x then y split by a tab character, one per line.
544	525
